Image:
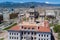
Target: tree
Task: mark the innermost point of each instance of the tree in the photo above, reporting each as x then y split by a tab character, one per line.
57	28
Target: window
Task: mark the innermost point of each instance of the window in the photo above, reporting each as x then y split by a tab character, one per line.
39	38
28	32
47	39
21	37
38	27
47	35
25	28
28	28
10	33
24	32
34	33
32	28
34	37
10	37
44	39
39	34
14	33
22	27
17	33
17	37
42	35
14	37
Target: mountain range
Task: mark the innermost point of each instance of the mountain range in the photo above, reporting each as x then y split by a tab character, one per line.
27	4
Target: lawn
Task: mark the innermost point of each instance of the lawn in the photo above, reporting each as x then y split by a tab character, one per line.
56	28
58	36
10	26
1	38
51	24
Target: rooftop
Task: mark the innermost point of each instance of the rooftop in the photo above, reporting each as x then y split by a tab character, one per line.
31	27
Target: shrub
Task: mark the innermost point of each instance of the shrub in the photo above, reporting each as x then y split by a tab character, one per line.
57	28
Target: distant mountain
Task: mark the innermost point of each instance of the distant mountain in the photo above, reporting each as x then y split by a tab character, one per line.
27	4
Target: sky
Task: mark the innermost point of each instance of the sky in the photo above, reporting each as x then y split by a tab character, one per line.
22	1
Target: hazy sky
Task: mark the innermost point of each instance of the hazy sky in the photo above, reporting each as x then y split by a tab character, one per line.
47	1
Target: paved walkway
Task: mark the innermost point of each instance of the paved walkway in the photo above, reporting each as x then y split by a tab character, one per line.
4	35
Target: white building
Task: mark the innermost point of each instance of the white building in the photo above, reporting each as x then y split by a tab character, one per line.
6	16
50	12
30	31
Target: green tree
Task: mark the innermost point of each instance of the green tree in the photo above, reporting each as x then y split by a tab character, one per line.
57	28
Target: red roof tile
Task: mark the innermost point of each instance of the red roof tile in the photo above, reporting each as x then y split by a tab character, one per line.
17	28
44	28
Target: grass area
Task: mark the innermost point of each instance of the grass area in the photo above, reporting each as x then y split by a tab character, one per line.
10	26
51	24
58	36
24	19
56	28
2	39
